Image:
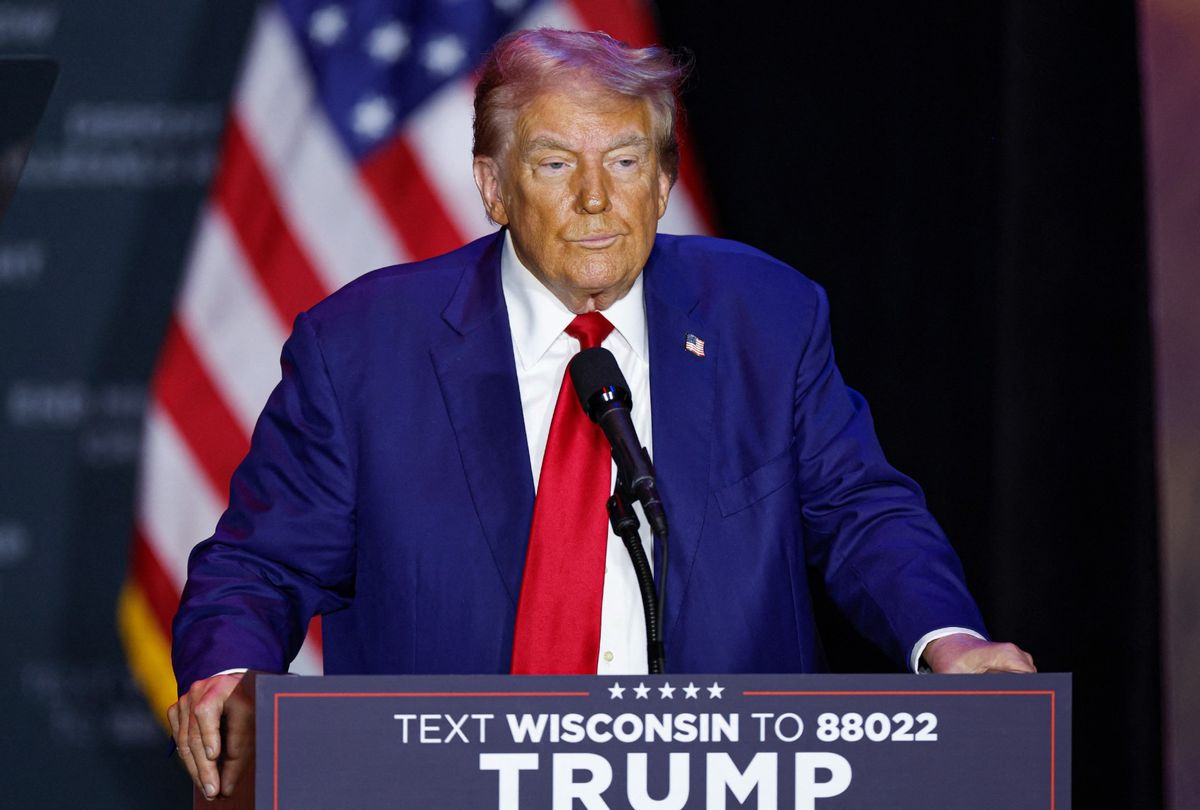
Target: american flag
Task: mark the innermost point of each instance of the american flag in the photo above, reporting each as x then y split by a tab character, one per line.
348	148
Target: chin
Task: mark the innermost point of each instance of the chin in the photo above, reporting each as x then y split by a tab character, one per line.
600	273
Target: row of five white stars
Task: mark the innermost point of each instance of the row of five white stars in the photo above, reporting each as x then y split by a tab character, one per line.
389	41
666	691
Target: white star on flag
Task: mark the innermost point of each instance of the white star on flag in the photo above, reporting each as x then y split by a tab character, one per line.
690	691
616	691
667	691
388	42
327	24
444	54
372	117
714	691
642	691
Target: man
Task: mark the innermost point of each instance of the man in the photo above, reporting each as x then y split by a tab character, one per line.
390	484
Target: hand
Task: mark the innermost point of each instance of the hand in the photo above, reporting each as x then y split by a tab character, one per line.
197	719
962	652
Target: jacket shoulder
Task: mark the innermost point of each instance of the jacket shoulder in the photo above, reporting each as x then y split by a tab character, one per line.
723	273
410	291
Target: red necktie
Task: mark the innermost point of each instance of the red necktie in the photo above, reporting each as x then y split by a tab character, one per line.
558	615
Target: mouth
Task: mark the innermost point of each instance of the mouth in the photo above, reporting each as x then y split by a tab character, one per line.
597	241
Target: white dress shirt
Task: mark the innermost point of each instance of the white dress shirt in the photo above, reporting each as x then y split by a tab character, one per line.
542	350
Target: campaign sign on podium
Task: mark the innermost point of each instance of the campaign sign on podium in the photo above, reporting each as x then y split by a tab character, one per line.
666	741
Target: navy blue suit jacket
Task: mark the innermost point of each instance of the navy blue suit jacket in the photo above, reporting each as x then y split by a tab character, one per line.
388	483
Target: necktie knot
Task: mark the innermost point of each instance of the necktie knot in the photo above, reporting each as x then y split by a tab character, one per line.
590	329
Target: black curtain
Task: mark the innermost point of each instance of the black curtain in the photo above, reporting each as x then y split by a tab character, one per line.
966	182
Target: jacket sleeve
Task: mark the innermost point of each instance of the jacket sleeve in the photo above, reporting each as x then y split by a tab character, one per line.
284	549
883	558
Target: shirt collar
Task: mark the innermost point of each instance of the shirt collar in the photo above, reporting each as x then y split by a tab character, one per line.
536	317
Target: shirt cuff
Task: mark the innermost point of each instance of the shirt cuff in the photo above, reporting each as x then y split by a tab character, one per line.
233	671
918	649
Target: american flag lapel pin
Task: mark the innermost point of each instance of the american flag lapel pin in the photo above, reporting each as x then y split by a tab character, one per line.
694	345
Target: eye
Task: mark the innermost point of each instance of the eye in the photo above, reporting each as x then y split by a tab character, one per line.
627	163
553	166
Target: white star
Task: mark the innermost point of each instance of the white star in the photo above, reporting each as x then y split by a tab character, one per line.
508	6
690	691
642	691
616	691
667	691
444	54
388	42
372	117
714	691
327	24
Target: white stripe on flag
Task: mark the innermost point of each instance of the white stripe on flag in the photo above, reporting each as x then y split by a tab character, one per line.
440	136
330	212
229	320
176	504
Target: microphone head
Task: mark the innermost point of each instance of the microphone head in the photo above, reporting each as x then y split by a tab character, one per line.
598	381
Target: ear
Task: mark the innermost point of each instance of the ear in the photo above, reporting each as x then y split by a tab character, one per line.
487	180
664	192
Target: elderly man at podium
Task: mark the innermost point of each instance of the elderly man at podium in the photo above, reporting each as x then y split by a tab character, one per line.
425	478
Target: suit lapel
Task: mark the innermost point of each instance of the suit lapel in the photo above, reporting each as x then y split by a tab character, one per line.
682	389
477	375
478	379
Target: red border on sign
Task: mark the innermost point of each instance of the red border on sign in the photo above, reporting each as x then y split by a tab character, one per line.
989	692
278	695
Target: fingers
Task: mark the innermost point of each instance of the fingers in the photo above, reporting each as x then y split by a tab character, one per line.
207	714
239	743
180	716
206	767
196	725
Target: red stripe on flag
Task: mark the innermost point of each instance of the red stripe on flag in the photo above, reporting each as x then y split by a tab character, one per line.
161	593
185	391
626	20
409	201
243	190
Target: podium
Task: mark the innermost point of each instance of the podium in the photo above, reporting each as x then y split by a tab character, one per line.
659	742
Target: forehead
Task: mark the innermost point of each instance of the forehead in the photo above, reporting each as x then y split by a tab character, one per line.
581	116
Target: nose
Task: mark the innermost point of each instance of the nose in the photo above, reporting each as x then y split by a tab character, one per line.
593	191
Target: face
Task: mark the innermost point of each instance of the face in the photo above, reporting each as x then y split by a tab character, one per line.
581	191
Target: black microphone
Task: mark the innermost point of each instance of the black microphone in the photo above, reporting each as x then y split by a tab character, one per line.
605	398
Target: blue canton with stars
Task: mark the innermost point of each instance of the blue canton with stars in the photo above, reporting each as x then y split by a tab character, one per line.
375	61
